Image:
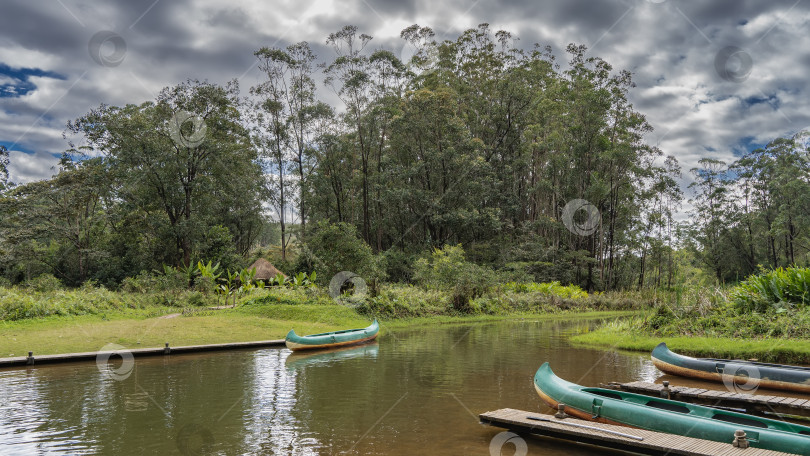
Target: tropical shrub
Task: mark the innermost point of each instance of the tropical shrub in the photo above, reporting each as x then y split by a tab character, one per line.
448	269
776	290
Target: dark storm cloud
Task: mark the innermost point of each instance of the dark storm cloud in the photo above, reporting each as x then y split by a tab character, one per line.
670	46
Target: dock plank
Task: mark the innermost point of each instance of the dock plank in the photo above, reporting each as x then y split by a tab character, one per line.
653	443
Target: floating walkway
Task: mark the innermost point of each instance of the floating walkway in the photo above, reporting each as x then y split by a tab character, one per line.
32	359
751	403
615	437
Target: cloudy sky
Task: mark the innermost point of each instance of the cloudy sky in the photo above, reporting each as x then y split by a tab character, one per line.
714	78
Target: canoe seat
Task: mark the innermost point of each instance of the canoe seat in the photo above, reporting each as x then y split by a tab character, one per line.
669	407
739	420
605	394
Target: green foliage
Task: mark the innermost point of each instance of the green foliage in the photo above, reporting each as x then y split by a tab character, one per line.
447	268
170	280
398	265
337	248
551	288
44	283
219	246
300	296
472	141
779	290
19	304
210	273
406	302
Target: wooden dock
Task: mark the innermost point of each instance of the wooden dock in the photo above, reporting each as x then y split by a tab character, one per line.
752	403
614	437
32	359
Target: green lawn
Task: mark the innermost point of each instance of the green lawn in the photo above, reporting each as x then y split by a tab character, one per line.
766	350
70	334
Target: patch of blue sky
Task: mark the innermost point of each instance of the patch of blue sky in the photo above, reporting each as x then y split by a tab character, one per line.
16	82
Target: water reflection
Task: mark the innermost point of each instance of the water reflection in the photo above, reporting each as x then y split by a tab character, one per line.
302	359
416	391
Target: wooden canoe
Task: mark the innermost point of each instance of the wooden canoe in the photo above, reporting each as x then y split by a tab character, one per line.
747	373
673	417
332	339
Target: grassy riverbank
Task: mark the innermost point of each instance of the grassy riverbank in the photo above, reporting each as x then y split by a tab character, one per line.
766	317
79	320
780	350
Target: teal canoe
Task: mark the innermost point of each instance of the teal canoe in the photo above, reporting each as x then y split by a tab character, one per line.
673	417
332	339
748	373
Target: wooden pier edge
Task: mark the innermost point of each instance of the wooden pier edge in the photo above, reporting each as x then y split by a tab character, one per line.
751	403
136	352
653	443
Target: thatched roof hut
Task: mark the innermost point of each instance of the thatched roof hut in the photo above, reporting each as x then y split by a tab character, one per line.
265	270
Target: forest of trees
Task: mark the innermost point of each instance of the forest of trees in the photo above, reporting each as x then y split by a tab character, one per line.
473	141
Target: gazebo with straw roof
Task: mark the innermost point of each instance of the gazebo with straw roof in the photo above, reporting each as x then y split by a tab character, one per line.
265	270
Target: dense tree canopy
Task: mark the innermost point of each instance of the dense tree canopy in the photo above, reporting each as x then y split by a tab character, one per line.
538	168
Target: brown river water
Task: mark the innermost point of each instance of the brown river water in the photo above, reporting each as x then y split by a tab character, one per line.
414	392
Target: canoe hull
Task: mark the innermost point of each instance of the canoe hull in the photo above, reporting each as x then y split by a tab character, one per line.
774	376
296	346
664	415
575	412
332	339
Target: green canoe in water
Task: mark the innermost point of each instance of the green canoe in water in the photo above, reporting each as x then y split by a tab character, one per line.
672	417
332	339
748	373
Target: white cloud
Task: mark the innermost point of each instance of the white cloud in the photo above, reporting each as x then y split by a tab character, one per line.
670	47
31	167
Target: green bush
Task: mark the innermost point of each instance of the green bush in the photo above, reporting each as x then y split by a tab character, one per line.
289	296
779	290
44	283
19	304
336	248
398	265
397	301
550	288
448	269
218	247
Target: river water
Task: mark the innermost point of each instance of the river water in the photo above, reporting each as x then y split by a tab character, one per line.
416	391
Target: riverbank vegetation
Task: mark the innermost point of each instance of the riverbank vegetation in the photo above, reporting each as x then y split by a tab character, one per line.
133	320
473	178
767	316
